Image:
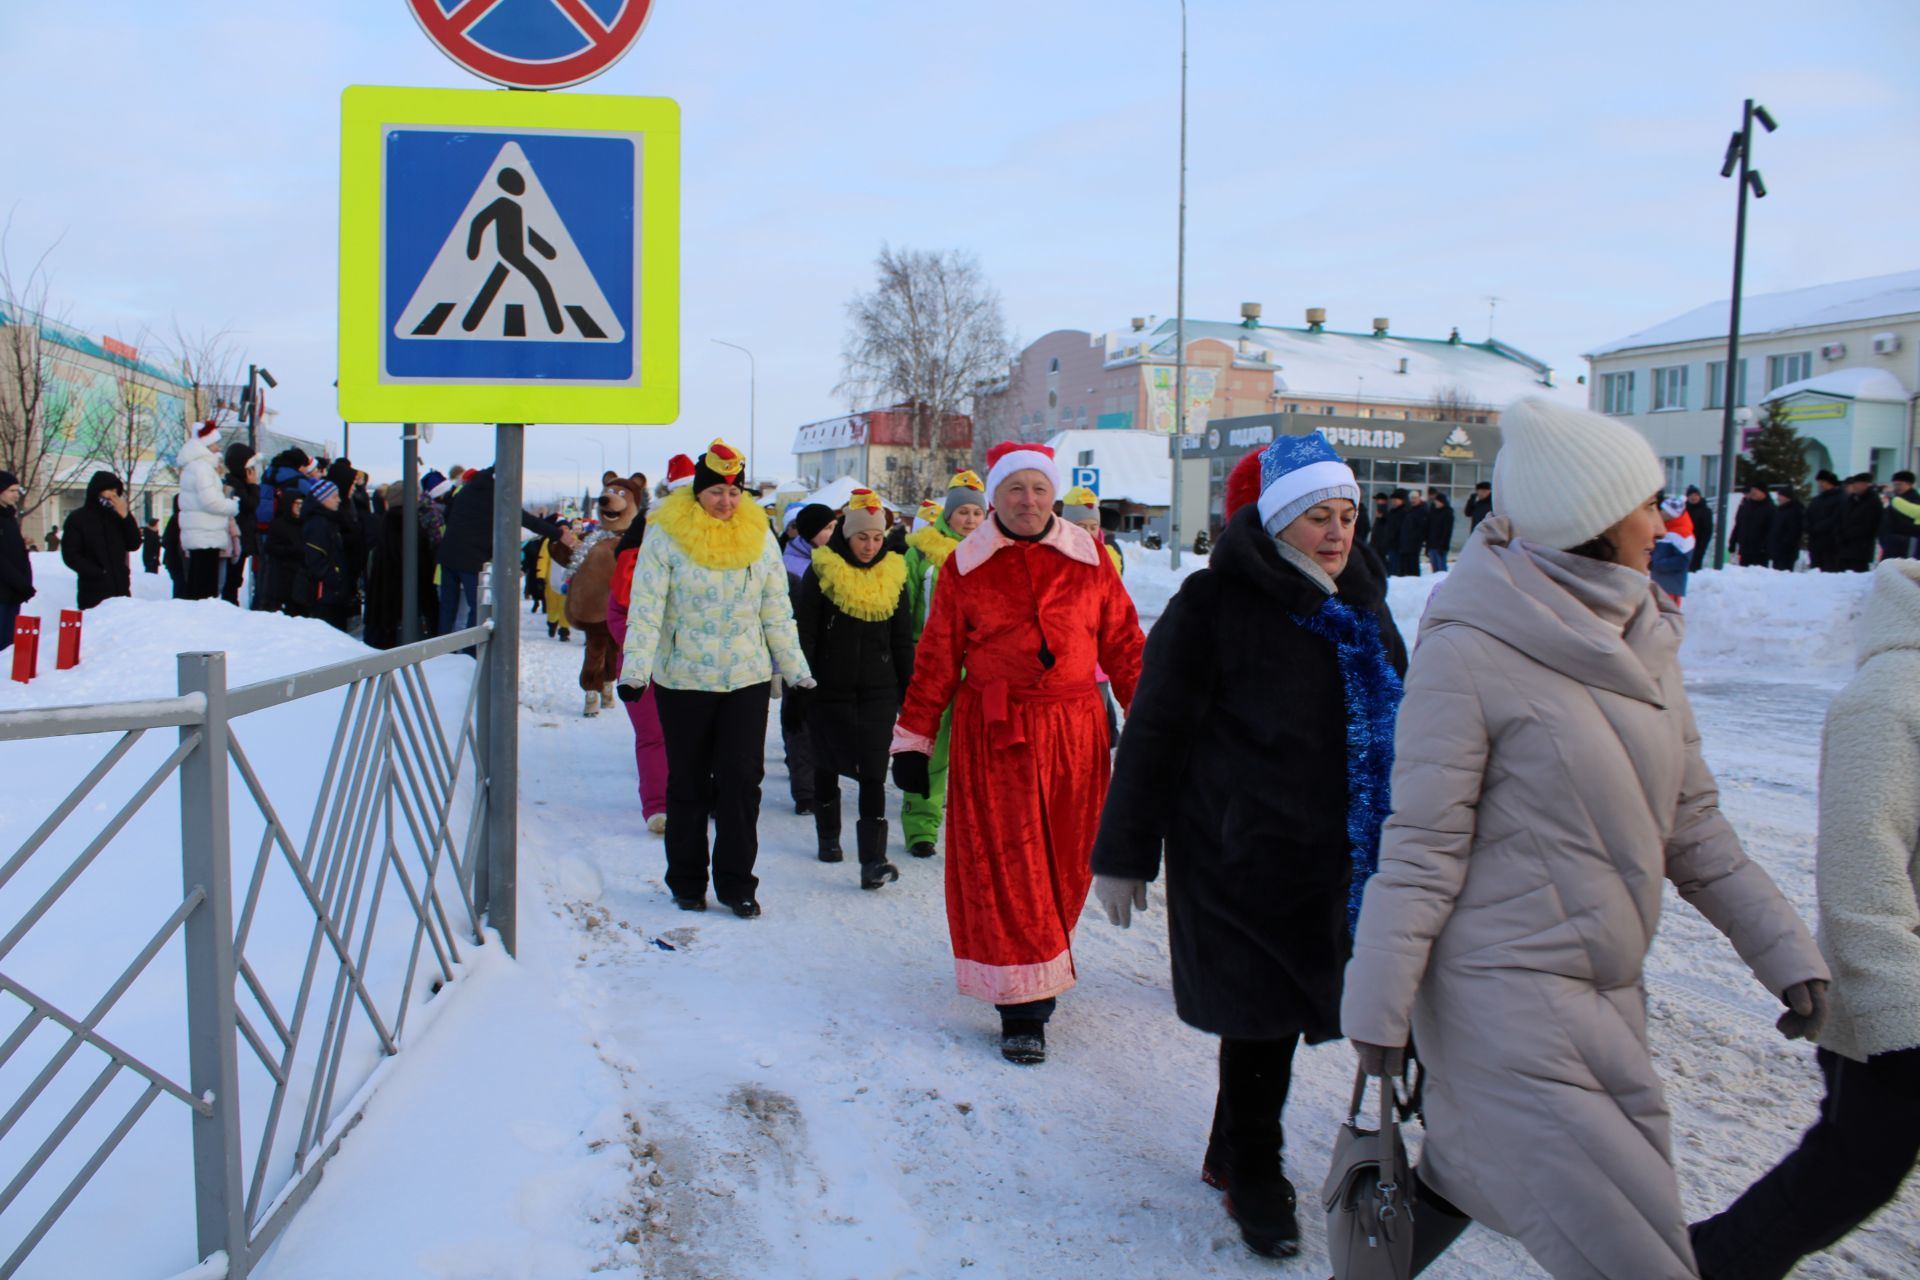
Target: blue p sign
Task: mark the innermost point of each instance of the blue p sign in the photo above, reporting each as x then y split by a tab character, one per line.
1087	478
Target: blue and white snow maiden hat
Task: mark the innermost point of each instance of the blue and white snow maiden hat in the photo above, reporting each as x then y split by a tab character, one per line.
1299	472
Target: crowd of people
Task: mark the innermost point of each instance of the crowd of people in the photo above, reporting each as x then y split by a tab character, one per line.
1455	857
1453	854
1843	528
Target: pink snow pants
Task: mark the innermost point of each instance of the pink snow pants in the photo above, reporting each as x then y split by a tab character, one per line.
649	744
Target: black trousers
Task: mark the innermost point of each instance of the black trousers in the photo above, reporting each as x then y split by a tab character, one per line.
873	792
1849	1164
1247	1137
232	572
716	743
798	745
203	575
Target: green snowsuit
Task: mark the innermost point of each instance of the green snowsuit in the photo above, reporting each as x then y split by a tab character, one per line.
920	815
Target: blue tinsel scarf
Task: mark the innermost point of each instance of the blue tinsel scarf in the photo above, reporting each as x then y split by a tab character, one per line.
1372	692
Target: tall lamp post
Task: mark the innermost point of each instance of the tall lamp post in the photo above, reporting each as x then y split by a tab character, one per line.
753	381
256	374
1739	156
1176	445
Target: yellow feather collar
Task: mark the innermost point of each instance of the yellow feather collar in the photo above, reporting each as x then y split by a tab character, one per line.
870	594
933	544
710	543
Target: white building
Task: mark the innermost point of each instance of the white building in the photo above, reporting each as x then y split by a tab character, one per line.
1842	360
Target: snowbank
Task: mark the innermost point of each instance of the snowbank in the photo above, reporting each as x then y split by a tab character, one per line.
77	951
1784	624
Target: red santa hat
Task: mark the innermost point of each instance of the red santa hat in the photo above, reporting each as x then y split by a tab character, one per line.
1010	456
679	471
1243	483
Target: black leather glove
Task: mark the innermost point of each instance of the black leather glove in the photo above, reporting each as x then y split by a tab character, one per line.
629	692
910	773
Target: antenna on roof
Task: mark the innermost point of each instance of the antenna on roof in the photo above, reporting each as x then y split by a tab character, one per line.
1492	302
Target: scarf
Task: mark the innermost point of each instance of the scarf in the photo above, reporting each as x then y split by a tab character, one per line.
1371	690
710	543
934	542
869	592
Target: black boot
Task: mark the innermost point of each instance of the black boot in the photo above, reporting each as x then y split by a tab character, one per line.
923	849
1023	1042
551	628
1263	1206
875	870
826	827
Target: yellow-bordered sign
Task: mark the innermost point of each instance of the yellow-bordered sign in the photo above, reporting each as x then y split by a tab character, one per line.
509	257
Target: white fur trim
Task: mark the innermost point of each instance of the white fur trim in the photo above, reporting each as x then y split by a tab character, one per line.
1021	460
1315	477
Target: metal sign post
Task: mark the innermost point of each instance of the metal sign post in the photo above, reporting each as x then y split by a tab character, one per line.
409	532
503	688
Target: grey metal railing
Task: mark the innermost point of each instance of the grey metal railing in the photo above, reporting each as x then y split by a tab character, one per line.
280	1057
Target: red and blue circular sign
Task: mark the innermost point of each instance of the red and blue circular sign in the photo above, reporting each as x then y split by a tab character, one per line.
533	44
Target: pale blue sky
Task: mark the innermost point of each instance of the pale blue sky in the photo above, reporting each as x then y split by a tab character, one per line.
1384	159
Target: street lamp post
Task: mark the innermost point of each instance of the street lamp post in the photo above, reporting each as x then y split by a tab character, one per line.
1177	445
256	374
753	380
1739	155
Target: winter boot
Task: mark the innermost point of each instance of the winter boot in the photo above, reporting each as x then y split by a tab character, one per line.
1023	1042
1263	1206
826	827
875	870
551	628
565	635
922	849
593	703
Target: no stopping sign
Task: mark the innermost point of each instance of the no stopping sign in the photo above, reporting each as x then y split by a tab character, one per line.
533	44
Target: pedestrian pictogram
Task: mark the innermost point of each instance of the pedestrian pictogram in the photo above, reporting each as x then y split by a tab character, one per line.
533	44
508	257
509	269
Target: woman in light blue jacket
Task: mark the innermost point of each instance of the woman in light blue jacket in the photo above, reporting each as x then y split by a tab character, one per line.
709	622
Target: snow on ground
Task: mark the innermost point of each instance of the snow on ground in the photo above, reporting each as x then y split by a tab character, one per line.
136	1218
653	1093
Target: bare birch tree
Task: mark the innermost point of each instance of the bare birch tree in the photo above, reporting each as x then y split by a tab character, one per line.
41	404
925	337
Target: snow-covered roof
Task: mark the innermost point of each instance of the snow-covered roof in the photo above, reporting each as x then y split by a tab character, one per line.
1846	302
835	493
1135	466
1340	366
1847	384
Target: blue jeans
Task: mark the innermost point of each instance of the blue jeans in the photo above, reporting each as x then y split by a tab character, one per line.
1438	559
454	584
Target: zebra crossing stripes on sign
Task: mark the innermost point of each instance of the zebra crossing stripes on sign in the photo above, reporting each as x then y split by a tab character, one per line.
508	257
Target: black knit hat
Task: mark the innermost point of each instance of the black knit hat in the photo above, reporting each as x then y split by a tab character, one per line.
813	517
1828	476
8	480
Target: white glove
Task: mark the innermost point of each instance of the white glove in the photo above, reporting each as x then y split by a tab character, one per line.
808	683
1120	896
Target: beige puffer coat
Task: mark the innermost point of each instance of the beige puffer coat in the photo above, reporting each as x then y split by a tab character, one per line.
1548	777
1869	868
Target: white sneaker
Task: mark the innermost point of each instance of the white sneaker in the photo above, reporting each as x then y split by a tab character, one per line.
657	824
593	704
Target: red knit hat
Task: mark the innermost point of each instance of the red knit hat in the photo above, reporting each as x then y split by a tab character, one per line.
679	471
1243	483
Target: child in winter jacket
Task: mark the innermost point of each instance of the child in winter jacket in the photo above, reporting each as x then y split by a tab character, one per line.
856	628
322	588
1673	554
286	550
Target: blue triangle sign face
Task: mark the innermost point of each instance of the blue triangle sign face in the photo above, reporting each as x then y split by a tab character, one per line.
509	271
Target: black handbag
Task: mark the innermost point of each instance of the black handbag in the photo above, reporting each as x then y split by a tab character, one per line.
1368	1195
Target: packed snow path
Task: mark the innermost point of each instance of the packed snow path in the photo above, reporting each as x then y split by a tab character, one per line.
655	1093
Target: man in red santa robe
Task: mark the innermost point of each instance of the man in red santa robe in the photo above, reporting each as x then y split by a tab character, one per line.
1025	610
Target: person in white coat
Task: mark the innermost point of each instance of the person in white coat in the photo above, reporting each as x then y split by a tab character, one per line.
207	511
1854	1158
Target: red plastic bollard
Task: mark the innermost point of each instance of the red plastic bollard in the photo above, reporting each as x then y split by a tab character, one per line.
26	648
68	653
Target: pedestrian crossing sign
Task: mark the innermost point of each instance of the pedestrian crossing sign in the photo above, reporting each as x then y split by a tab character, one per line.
508	257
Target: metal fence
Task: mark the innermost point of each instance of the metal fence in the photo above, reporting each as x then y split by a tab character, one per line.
376	871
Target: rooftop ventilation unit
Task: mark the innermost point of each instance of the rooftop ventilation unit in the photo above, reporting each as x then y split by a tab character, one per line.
1403	365
1379	326
1250	314
1139	323
1316	319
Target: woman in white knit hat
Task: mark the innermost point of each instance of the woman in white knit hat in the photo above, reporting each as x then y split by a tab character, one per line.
1547	779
